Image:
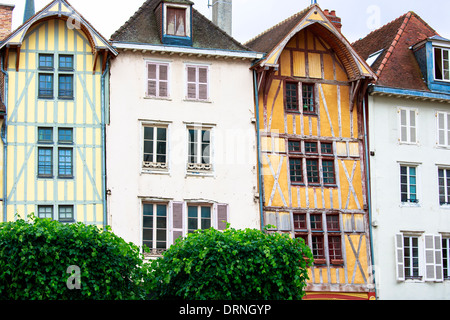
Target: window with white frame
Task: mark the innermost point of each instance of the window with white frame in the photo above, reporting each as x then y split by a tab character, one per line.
408	184
441	64
155	147
199	149
443	129
446	257
408	125
419	257
157	79
444	186
197	82
155	226
199	217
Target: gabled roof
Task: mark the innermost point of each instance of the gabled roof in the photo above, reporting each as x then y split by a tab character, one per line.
59	9
273	41
396	65
142	28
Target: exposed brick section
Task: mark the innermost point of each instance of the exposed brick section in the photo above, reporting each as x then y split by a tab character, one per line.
336	21
6	12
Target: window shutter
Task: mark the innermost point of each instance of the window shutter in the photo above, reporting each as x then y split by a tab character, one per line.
177	220
430	272
403	126
152	80
191	83
438	258
400	264
163	81
222	216
203	83
412	126
441	128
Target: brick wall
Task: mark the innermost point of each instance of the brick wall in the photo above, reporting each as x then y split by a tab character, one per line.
6	11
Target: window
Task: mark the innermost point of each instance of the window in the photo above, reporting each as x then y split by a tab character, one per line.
197	82
66	62
157	80
444	186
411	256
408	125
65	135
325	236
318	162
408	184
48	75
309	101
199	217
65	163
155	147
65	87
45	135
45	62
45	86
66	214
176	22
291	96
443	128
45	162
45	212
446	257
199	149
154	233
441	64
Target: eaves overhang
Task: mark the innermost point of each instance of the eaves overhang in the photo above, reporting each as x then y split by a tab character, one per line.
375	90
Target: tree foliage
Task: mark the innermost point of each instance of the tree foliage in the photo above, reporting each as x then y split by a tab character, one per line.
35	258
233	265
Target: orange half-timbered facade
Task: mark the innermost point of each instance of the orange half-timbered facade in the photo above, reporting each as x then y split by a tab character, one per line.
310	87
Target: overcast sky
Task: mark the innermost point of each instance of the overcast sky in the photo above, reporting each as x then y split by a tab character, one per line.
251	17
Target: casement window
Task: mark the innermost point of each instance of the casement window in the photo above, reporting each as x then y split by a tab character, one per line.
408	184
199	217
443	129
157	80
47	148
63	75
176	21
294	99
311	162
199	149
444	186
155	147
197	82
441	64
322	232
155	226
419	257
408	125
65	213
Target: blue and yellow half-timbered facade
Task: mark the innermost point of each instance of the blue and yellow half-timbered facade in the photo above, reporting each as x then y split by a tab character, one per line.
56	95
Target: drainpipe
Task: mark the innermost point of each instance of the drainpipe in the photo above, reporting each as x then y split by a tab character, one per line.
103	124
369	192
4	135
261	195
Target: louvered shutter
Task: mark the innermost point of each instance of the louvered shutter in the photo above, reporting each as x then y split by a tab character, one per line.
203	83
443	121
412	126
222	216
430	271
152	80
399	257
163	81
177	220
191	83
403	126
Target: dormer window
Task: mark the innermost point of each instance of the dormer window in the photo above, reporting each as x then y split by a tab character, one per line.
441	64
176	22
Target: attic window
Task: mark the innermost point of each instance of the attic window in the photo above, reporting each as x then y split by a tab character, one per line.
176	22
441	64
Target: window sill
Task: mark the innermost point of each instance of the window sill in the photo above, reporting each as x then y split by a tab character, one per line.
197	100
66	177
158	98
200	174
410	205
154	171
66	98
46	97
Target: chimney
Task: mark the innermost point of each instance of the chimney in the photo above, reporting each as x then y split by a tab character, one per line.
336	21
222	15
6	12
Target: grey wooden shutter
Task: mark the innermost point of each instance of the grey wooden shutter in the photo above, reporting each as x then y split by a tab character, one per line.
433	247
191	82
403	126
177	220
163	81
399	259
430	271
442	129
152	79
203	83
222	216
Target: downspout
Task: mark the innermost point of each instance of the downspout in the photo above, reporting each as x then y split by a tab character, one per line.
261	195
103	124
4	135
369	192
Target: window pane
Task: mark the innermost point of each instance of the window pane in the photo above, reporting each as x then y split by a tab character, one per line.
66	62
45	212
45	61
326	148
294	146
65	162
45	135
46	85
292	96
316	222
65	135
312	170
176	24
299	221
66	213
438	64
45	167
308	98
296	170
311	147
328	172
66	86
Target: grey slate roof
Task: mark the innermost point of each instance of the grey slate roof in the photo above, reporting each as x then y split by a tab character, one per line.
142	28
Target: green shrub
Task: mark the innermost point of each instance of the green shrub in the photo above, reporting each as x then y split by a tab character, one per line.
35	260
233	265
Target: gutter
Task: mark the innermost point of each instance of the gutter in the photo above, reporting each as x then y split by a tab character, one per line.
103	129
258	133
4	135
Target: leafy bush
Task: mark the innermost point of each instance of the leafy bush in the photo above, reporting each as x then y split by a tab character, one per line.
233	265
35	259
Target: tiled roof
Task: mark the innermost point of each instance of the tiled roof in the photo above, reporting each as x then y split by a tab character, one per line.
397	66
142	28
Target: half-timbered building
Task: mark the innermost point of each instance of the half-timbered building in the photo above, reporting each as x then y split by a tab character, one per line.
310	86
55	68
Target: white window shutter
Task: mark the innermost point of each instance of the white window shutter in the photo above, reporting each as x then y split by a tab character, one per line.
403	126
441	128
177	220
399	257
152	80
203	83
412	126
163	81
191	82
438	258
430	269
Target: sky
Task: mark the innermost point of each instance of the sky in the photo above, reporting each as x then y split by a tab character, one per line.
252	17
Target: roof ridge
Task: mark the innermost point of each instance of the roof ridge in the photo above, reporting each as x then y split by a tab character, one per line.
406	19
280	23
